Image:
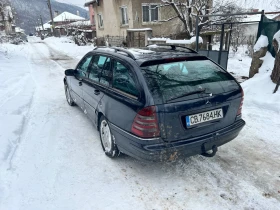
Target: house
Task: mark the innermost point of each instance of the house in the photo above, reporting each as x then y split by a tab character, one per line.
61	22
84	26
121	21
65	18
19	30
114	17
47	28
249	29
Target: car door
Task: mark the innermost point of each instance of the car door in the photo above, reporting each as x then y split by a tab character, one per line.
78	80
120	107
99	77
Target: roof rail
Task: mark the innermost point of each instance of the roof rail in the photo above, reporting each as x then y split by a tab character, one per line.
173	47
118	49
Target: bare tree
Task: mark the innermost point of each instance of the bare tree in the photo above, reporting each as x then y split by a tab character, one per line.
4	3
187	10
276	3
6	15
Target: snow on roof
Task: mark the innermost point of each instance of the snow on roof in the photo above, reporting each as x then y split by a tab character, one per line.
46	26
262	42
67	16
87	3
19	30
83	30
81	23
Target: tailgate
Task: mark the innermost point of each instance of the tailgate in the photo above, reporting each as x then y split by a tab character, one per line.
192	118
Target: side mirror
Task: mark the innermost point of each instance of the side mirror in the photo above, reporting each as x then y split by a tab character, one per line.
69	72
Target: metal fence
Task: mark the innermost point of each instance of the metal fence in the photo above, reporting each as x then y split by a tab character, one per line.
214	55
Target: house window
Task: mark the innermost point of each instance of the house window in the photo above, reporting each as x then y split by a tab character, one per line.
150	12
100	21
124	19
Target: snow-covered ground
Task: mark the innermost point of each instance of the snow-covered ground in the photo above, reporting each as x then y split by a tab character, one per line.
51	157
239	63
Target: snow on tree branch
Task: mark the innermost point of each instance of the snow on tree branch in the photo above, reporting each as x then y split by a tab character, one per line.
187	10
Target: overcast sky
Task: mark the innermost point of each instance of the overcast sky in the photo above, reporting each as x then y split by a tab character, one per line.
260	4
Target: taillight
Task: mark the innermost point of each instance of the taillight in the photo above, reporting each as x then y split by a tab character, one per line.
241	103
145	123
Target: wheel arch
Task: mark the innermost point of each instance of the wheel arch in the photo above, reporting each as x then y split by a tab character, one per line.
64	81
99	115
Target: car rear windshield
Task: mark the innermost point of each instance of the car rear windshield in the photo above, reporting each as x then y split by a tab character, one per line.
168	81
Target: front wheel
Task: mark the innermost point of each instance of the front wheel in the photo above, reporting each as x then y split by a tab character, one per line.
107	141
68	96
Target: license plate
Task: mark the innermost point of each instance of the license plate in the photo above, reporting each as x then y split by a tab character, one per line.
204	117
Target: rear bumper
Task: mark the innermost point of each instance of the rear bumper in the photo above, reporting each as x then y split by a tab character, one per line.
158	150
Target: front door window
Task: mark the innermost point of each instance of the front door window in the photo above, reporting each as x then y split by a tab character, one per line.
83	66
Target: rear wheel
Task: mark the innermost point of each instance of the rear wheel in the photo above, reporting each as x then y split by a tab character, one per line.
68	96
107	141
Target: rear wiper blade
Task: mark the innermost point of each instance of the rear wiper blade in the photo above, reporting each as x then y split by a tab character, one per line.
189	93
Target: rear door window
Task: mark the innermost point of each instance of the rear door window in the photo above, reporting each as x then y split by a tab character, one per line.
169	80
100	70
123	79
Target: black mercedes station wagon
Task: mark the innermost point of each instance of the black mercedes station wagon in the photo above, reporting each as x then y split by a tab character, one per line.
156	103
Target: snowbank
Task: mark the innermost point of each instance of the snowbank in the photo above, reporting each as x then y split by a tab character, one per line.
67	46
15	96
262	42
259	89
268	63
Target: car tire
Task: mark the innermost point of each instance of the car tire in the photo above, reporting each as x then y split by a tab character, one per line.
69	98
107	140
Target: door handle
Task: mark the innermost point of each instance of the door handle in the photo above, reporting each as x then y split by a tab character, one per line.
80	83
96	92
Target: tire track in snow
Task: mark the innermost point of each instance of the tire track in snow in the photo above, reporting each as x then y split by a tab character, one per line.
60	165
226	170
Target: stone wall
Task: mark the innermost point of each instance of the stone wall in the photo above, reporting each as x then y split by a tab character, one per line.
115	41
256	61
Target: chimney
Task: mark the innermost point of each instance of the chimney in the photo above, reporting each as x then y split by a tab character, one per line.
56	13
78	13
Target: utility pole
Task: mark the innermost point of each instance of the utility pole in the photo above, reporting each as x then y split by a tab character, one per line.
42	23
50	8
38	25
